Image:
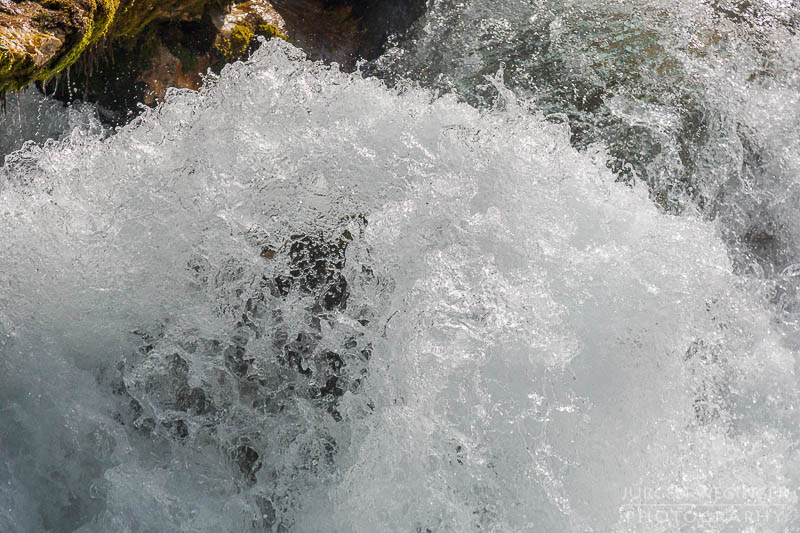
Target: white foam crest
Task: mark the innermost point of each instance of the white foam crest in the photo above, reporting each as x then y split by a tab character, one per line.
543	339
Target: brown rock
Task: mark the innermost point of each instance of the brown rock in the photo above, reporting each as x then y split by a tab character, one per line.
253	14
167	71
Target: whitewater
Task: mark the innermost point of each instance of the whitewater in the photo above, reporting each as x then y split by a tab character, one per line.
536	268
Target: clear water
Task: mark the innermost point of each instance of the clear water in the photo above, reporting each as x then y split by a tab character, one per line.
300	300
31	116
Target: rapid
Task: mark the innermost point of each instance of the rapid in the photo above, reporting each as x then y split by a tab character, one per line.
536	268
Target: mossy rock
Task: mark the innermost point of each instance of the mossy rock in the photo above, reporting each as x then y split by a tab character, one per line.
270	32
236	45
122	52
241	41
38	40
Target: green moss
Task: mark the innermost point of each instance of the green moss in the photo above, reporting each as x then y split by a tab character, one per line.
270	31
85	25
18	70
120	24
6	62
240	39
235	46
102	15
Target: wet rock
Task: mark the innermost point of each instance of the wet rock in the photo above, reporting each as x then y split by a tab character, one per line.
181	430
192	400
166	71
247	459
124	52
332	388
346	30
381	20
40	38
257	15
270	380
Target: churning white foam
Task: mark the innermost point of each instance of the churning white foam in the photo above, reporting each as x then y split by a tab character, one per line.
542	346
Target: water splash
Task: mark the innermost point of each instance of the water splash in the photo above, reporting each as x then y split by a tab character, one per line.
31	116
299	300
697	99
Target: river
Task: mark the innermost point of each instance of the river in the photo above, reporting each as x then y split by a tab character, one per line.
536	268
